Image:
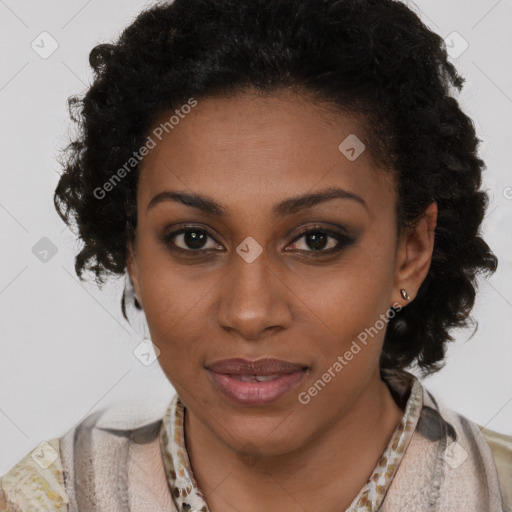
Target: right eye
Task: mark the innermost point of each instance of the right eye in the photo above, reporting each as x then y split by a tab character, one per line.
190	239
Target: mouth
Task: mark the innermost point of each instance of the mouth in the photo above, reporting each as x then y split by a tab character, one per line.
256	383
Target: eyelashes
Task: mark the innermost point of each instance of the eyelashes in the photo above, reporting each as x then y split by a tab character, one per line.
196	236
316	240
318	235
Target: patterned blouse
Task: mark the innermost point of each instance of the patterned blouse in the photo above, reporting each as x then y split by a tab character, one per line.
188	496
436	460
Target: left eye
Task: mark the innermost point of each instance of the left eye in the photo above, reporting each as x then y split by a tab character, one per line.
317	240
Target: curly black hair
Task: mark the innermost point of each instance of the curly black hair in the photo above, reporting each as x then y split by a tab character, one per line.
372	57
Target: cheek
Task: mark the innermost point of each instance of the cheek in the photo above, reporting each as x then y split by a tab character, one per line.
168	292
171	305
356	289
351	307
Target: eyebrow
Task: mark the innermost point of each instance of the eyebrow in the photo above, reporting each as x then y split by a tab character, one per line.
287	207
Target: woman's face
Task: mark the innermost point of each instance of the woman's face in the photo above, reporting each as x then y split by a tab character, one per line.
244	281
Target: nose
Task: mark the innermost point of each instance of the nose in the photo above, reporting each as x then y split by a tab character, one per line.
254	300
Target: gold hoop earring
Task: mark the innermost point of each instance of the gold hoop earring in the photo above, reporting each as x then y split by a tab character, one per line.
404	294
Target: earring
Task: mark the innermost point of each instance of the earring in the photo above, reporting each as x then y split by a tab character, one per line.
404	294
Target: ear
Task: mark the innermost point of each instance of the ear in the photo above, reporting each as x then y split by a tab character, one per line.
133	271
414	254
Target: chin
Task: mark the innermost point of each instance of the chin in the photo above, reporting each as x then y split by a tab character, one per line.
258	437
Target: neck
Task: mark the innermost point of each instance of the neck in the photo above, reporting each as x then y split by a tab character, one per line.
334	463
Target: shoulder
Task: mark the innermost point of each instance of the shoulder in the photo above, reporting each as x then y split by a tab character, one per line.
477	437
471	456
36	482
501	447
94	450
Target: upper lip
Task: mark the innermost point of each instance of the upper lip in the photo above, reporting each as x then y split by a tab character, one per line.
266	366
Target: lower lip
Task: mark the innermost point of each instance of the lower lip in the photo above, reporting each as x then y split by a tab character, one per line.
256	393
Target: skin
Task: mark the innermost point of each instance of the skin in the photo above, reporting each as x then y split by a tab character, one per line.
248	153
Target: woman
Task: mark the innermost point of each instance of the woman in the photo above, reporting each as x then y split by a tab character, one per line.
295	197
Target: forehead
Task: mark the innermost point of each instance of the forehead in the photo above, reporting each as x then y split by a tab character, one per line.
249	147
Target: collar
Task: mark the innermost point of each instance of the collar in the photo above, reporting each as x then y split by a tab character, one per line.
406	390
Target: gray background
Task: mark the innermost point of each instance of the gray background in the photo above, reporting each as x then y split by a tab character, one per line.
65	348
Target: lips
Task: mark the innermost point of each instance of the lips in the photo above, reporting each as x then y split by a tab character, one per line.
255	382
267	366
